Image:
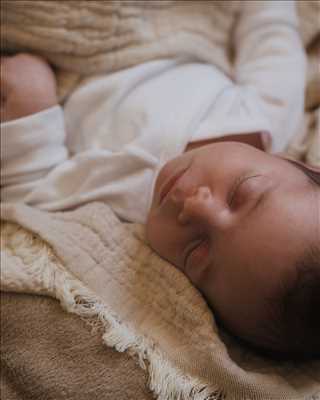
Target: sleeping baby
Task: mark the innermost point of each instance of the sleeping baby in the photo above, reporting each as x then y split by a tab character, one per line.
188	149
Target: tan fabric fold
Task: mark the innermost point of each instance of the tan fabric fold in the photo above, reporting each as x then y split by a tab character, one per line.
49	354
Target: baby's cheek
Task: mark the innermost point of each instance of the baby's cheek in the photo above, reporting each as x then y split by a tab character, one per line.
151	230
157	236
196	278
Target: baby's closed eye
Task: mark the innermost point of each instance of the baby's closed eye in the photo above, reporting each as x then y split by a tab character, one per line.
240	191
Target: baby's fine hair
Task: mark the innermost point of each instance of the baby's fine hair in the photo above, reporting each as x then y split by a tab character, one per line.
296	321
300	304
292	328
300	309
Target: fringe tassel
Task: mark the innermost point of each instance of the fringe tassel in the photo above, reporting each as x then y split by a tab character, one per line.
164	380
49	277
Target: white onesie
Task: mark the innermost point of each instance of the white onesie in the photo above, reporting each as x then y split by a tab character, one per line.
116	131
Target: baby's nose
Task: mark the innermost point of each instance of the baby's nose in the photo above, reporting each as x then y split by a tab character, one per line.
201	207
196	206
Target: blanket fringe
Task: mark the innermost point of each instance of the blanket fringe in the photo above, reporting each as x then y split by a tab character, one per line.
164	380
38	259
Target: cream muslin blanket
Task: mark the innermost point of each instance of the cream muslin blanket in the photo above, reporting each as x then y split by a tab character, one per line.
102	269
89	37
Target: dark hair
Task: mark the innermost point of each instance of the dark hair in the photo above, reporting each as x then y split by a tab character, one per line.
292	329
298	308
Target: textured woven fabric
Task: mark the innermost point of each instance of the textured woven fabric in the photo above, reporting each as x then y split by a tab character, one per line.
101	268
90	37
103	36
39	362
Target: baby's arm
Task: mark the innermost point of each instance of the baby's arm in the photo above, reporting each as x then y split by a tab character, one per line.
270	62
35	168
32	128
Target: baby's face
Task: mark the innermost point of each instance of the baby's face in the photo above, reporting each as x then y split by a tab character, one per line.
235	220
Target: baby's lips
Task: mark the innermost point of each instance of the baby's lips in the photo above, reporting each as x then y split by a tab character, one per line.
173	182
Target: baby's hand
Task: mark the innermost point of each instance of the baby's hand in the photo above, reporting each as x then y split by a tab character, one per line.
28	85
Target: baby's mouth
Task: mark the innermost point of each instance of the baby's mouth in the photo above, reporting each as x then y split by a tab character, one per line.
170	184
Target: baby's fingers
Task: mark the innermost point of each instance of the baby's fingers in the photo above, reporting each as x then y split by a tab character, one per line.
28	86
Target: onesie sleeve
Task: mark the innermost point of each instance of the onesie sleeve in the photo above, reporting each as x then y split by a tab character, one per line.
270	64
30	147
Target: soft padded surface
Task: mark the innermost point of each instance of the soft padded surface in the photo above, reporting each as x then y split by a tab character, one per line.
49	354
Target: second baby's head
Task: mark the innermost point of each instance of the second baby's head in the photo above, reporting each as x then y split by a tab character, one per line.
243	225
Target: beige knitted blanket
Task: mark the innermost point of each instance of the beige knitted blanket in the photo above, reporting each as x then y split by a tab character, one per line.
88	37
102	269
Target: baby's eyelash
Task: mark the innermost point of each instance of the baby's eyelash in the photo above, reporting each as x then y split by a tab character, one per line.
236	186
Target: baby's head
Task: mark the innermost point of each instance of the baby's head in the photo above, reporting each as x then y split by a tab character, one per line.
244	227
